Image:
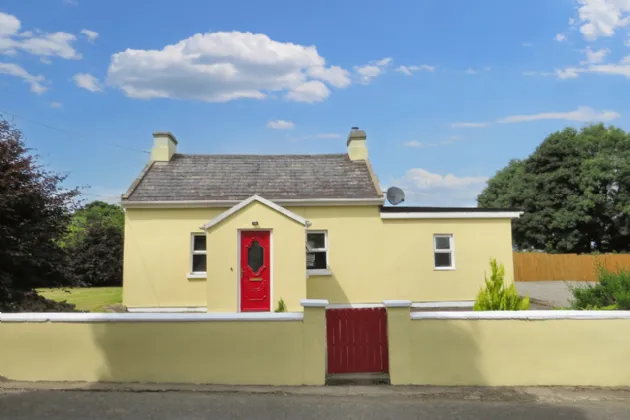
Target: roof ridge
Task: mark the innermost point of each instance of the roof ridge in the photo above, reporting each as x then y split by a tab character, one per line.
258	155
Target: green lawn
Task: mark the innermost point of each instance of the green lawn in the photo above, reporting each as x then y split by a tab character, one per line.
93	299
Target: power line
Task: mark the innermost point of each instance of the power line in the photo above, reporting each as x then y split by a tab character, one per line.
74	136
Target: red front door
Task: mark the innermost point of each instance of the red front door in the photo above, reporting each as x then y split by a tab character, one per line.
255	271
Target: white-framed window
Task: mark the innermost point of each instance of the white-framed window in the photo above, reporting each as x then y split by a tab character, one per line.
443	252
198	253
317	252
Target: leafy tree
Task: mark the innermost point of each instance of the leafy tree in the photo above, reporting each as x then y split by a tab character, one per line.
574	190
94	212
34	212
95	259
495	296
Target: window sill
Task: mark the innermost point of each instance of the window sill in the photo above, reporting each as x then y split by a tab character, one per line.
443	268
320	272
197	276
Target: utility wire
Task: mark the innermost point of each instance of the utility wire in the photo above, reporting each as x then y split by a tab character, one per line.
69	133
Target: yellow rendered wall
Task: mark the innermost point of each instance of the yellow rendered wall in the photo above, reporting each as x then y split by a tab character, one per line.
215	352
372	260
157	257
510	352
288	262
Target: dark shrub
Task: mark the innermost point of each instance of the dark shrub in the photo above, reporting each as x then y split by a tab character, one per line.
32	302
612	291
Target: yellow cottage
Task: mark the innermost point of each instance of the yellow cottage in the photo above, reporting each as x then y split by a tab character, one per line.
236	233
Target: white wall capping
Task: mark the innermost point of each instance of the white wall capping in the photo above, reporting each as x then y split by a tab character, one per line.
397	303
314	303
168	309
522	315
354	305
454	215
444	304
149	317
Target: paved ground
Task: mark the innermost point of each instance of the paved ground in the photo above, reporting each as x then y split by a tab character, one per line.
555	293
187	405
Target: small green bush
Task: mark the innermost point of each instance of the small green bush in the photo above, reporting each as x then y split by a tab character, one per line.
281	306
495	296
611	293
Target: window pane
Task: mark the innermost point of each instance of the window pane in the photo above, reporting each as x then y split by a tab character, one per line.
255	256
316	240
316	261
199	263
442	242
199	242
442	259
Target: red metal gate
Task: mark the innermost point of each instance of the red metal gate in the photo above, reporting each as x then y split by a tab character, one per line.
357	340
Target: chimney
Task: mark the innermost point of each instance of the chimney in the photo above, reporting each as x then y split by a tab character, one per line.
164	146
357	149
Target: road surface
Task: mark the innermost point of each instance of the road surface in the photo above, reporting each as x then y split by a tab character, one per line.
184	405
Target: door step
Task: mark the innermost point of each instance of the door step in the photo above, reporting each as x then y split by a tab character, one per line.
358	379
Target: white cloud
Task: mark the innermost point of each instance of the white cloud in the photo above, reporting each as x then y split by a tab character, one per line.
560	37
281	125
432	189
334	75
568	73
409	70
323	136
471	71
87	81
45	60
36	82
595	56
56	105
581	114
420	145
57	44
469	125
372	70
223	66
309	92
90	35
601	18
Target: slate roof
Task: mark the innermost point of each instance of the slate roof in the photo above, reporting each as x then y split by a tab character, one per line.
237	177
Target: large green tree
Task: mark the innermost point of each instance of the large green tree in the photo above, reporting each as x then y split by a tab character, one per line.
35	211
94	245
574	190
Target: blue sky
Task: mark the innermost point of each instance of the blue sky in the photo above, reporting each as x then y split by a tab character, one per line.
448	91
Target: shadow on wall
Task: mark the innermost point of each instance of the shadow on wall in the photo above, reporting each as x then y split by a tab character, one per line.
445	353
325	287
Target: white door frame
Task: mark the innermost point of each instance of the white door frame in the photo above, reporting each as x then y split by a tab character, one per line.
238	264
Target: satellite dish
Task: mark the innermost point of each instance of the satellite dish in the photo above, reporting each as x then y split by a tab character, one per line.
395	196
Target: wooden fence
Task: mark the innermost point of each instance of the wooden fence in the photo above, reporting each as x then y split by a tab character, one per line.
540	267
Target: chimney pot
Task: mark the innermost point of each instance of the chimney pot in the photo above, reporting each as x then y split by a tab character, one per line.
357	148
164	146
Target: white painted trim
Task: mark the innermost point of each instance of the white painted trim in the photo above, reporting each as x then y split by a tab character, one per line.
168	309
193	252
314	303
149	317
522	315
230	203
450	250
354	305
444	304
454	215
248	201
397	303
192	276
319	272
